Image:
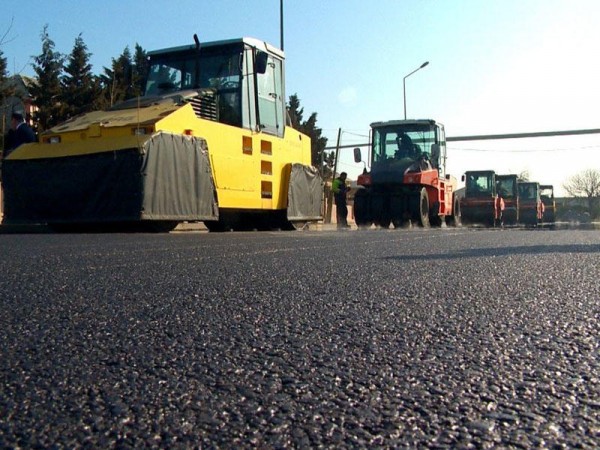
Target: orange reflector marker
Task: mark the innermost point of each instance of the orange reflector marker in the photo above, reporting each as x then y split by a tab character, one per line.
188	132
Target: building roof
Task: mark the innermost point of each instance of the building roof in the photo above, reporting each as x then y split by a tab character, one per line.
21	85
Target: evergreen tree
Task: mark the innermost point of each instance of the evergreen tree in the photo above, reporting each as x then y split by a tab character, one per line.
295	111
3	95
116	82
140	71
79	87
47	93
309	127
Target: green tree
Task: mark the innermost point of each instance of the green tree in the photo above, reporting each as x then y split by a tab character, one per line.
116	82
140	70
3	95
5	89
328	164
79	86
585	184
47	93
309	127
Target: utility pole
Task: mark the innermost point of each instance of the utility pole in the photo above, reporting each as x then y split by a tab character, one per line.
281	23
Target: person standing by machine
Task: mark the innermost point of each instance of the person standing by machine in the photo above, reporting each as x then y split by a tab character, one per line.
19	133
340	192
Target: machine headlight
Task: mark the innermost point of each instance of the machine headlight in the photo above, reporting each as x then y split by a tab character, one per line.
141	131
52	140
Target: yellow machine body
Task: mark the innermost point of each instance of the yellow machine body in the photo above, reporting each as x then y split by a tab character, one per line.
250	162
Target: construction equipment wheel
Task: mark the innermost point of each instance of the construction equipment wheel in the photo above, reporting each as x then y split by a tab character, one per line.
159	226
435	220
298	225
399	223
384	222
455	219
364	225
216	226
361	209
421	213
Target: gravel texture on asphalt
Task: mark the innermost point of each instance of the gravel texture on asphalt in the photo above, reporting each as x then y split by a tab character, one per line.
450	338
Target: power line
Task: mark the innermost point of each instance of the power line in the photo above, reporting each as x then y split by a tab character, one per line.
355	134
487	137
546	150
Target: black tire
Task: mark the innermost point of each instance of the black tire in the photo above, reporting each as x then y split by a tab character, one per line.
435	220
160	226
296	226
455	220
361	209
385	222
399	223
215	226
421	214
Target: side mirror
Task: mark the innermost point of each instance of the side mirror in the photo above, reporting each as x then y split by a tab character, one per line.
357	155
462	178
261	62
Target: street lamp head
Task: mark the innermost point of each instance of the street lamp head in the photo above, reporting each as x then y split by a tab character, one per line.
404	83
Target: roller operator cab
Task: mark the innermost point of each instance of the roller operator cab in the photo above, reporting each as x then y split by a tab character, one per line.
407	183
207	142
481	203
547	197
506	186
531	208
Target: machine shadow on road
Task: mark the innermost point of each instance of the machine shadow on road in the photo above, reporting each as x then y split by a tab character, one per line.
505	251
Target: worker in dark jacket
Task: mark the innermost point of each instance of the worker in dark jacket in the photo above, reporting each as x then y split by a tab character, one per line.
19	133
340	191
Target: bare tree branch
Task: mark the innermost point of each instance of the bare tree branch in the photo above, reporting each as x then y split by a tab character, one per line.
523	176
3	39
585	184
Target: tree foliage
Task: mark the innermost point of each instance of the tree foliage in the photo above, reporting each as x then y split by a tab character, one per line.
66	86
126	77
3	81
3	95
319	158
585	184
80	88
117	81
48	67
139	71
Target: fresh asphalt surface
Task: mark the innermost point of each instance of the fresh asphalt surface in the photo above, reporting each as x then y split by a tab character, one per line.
451	338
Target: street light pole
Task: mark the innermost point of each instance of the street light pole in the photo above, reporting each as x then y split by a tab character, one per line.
404	84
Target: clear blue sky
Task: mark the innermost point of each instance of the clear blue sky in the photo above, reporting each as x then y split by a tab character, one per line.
496	66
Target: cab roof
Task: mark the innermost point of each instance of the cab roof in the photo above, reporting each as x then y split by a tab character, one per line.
480	172
252	42
404	122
